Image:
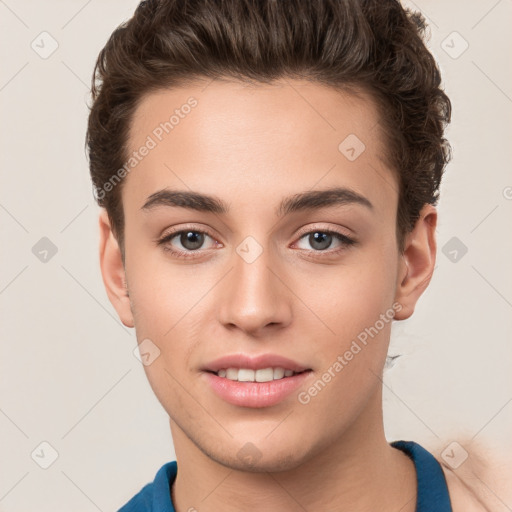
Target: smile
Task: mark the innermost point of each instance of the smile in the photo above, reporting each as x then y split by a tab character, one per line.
261	375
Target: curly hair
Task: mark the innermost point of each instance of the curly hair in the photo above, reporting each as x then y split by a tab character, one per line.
371	46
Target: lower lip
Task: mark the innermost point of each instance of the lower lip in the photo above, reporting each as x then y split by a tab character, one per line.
255	394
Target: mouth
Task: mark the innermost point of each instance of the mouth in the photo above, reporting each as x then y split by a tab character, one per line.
261	368
255	381
260	375
246	391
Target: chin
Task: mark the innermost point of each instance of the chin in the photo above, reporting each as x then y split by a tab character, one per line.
251	459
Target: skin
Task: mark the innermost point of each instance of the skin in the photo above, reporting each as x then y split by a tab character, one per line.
252	146
482	483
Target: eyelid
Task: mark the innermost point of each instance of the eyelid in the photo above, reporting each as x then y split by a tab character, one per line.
309	229
164	241
187	227
192	227
165	238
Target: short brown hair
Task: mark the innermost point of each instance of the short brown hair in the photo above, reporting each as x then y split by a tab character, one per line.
375	46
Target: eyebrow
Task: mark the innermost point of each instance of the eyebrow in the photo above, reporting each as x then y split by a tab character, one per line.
310	200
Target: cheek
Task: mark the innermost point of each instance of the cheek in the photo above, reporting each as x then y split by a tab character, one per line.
335	301
352	351
351	297
168	302
161	293
355	305
165	312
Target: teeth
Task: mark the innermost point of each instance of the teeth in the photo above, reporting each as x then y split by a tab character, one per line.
278	373
261	375
245	375
232	373
264	375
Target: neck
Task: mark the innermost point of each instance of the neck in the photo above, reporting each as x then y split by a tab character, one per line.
360	471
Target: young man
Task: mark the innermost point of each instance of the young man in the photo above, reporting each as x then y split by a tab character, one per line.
268	172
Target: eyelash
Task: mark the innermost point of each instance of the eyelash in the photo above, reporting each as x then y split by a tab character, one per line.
344	239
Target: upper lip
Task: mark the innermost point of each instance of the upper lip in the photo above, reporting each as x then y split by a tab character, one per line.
254	362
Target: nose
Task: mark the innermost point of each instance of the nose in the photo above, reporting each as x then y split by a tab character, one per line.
255	297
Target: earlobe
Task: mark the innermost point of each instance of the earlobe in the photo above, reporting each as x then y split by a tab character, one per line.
417	262
113	271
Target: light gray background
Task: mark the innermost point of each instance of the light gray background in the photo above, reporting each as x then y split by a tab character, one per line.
68	375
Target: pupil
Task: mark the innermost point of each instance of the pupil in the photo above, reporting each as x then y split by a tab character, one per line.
192	240
323	239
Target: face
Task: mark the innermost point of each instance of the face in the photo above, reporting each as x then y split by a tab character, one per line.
268	267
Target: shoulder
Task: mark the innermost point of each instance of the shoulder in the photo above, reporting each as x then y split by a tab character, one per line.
482	482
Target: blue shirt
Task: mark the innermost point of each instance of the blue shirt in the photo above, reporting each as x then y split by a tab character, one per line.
432	487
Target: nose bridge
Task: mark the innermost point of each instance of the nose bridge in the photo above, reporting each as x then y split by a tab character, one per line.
256	297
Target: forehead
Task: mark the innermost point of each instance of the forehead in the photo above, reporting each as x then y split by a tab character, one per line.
257	142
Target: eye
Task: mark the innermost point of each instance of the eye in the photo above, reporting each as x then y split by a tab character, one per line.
189	243
322	239
185	242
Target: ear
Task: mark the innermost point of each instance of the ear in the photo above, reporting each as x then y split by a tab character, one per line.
113	272
417	262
